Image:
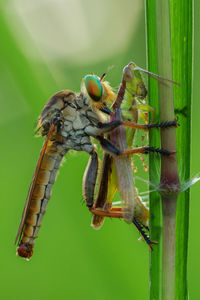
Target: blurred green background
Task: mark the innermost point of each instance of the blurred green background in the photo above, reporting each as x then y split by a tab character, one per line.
47	46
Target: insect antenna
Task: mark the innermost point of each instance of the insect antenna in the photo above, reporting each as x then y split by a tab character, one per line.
159	78
104	74
102	77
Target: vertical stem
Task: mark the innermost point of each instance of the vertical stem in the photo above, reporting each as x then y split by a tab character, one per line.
169	220
155	221
169	181
170	39
169	171
182	19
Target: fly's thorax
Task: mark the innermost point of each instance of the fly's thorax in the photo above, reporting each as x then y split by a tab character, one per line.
78	120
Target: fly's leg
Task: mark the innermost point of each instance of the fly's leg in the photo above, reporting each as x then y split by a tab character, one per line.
110	148
89	179
107	127
146	150
151	126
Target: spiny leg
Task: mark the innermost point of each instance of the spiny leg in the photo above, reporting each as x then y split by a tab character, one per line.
110	148
117	213
151	126
89	182
146	150
106	127
140	228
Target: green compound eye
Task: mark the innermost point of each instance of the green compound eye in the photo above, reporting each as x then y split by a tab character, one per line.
93	87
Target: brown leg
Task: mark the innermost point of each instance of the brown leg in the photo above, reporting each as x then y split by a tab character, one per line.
110	214
107	127
150	126
110	148
146	150
116	212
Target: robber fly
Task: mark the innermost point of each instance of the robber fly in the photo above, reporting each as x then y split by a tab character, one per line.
68	121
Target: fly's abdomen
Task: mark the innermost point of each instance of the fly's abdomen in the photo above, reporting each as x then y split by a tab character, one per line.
41	192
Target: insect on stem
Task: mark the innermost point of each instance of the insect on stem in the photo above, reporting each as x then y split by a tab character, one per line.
69	121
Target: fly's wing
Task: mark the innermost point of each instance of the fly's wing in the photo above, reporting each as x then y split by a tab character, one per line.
32	186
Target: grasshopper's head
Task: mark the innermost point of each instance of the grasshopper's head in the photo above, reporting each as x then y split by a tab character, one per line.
99	92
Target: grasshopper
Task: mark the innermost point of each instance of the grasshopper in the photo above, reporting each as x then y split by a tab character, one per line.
116	172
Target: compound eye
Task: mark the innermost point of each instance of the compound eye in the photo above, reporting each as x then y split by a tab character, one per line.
93	87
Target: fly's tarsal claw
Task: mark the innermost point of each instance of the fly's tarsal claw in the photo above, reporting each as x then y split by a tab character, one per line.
166	124
158	150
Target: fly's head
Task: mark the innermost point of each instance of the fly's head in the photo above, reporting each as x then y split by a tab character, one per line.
98	92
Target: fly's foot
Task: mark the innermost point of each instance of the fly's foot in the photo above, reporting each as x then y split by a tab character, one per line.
158	150
166	124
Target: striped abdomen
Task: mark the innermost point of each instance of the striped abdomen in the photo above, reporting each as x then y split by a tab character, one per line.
38	197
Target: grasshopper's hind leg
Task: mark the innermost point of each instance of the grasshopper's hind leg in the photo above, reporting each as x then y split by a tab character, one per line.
99	213
117	213
141	228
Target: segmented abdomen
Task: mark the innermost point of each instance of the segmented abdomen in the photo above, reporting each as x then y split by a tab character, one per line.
41	193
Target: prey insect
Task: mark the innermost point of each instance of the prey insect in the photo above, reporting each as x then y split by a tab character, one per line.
116	172
68	121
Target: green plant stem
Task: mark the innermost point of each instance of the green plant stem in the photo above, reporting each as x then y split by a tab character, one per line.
169	223
169	181
170	39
